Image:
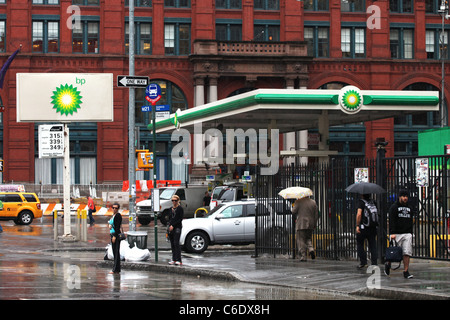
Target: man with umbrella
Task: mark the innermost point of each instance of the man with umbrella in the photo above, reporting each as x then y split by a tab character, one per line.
366	221
366	228
306	212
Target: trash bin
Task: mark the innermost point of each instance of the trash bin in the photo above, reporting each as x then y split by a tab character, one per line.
138	237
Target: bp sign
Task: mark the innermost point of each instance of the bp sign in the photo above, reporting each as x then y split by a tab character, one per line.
64	97
350	99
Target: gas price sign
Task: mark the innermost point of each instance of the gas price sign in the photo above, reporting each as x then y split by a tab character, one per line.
51	141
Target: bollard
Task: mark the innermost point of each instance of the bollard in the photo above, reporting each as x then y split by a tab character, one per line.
55	225
83	225
78	224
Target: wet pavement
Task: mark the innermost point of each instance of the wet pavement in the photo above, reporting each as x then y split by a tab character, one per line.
34	266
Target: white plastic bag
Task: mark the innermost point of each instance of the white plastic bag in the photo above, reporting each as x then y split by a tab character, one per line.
124	249
136	254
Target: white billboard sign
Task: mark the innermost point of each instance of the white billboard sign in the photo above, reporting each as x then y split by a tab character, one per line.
64	97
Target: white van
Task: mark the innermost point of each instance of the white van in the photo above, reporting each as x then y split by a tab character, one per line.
191	198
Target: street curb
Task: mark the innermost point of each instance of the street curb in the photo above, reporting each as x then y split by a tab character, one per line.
400	294
382	293
148	266
213	274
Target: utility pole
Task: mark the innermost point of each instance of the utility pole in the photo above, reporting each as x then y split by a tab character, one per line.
131	125
443	10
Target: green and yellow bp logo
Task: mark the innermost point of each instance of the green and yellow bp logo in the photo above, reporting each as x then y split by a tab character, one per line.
66	99
350	99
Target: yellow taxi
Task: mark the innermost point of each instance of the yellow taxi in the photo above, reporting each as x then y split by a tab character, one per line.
21	207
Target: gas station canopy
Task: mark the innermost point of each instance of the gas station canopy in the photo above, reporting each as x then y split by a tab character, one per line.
291	110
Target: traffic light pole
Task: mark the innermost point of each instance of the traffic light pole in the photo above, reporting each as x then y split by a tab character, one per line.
131	125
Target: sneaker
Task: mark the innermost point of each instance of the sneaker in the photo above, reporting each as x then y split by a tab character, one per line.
387	269
171	262
178	263
407	275
361	266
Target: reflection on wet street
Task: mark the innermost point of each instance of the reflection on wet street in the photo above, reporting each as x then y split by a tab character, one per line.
32	266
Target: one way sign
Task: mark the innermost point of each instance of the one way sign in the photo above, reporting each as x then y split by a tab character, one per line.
132	81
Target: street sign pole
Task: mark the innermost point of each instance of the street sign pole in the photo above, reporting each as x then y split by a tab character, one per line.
153	95
131	125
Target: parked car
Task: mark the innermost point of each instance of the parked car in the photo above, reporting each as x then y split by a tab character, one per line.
191	198
21	207
234	192
228	223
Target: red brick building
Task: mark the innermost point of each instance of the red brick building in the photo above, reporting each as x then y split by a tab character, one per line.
201	51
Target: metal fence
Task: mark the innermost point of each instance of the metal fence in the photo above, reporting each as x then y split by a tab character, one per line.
334	237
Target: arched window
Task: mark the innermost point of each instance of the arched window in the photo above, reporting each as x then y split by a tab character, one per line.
171	95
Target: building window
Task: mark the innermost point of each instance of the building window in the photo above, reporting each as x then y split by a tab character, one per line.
353	5
86	2
171	95
83	163
401	6
177	3
318	43
315	5
45	2
85	38
267	4
266	32
177	39
433	43
143	38
2	35
432	6
228	4
353	44
45	36
228	32
401	43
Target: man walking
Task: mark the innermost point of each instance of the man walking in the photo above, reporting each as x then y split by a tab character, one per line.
306	212
400	229
366	228
91	209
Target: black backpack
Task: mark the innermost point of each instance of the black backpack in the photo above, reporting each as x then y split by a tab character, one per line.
370	214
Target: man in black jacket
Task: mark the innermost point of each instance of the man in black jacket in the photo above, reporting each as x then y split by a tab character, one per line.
400	229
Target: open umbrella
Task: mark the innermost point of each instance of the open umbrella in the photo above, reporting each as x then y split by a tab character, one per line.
295	193
364	188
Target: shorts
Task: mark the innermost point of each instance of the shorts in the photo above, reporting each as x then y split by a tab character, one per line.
404	240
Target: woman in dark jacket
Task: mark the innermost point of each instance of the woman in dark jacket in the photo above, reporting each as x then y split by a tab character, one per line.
174	227
115	225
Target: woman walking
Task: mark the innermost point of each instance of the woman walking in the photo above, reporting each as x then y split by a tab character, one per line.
115	223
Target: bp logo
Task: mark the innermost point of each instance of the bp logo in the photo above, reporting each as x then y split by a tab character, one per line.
350	99
66	99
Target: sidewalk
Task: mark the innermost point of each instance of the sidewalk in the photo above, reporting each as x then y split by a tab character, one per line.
341	278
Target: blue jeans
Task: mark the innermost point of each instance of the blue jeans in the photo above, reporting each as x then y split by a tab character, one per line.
91	218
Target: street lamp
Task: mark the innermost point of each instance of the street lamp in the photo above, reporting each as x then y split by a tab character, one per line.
443	10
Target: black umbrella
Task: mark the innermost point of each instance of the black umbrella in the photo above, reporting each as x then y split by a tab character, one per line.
365	188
